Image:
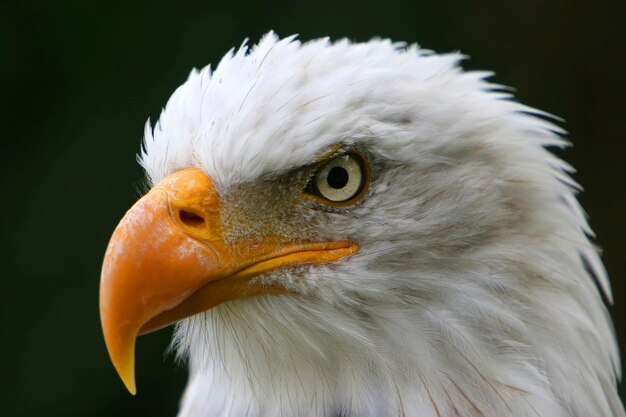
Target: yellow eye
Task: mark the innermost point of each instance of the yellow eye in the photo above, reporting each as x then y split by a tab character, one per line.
340	181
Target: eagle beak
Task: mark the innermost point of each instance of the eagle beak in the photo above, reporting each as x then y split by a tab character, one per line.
169	258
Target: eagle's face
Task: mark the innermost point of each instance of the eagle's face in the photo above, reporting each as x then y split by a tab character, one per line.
360	230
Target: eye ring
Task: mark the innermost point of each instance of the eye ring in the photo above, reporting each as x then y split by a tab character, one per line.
340	181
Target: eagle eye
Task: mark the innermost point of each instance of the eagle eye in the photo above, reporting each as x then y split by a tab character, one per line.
340	181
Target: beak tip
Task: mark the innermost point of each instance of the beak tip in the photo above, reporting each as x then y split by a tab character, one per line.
122	355
128	378
131	388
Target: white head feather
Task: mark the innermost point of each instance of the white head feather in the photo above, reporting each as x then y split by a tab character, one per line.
473	291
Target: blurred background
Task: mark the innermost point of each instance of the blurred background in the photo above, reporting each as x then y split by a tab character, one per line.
79	79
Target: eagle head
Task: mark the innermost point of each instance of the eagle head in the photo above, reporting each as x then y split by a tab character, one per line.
361	229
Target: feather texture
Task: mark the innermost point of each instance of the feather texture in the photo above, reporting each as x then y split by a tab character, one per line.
473	292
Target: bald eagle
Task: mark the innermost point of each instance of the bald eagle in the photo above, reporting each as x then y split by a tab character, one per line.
361	229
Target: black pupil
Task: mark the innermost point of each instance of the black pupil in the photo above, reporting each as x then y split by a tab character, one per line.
337	177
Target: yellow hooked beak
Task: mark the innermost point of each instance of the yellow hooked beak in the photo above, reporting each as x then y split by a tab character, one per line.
168	259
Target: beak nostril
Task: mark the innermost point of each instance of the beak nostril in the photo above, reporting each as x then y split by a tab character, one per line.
190	219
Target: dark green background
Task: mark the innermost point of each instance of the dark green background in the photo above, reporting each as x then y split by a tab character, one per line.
78	80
